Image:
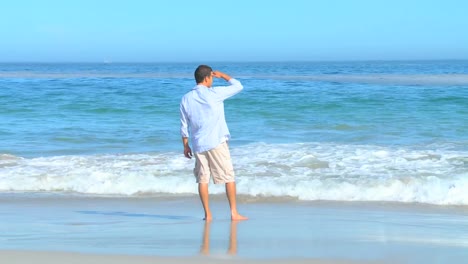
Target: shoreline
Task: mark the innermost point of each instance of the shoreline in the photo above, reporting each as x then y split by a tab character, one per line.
39	197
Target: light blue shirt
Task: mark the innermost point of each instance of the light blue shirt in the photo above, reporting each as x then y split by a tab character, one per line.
202	111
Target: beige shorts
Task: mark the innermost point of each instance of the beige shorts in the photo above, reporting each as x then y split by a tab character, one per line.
215	163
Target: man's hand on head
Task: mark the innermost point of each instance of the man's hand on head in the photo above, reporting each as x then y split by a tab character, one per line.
219	74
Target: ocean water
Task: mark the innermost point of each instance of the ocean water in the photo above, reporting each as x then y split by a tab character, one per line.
344	131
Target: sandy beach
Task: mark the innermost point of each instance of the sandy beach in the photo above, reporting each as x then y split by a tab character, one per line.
63	228
47	257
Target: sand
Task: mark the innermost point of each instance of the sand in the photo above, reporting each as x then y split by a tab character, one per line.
41	228
47	257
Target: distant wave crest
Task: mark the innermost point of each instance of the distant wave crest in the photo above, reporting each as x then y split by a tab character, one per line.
398	79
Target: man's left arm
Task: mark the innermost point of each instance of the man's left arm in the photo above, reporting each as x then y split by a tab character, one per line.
227	91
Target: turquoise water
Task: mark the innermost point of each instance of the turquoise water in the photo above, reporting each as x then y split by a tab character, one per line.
349	130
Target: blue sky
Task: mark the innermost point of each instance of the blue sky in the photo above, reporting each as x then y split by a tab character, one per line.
241	30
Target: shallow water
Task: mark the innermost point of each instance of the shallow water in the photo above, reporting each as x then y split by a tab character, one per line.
349	131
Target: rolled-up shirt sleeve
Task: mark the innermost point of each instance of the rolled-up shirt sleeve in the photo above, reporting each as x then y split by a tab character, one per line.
225	92
183	122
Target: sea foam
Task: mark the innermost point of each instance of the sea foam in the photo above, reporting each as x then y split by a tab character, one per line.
304	171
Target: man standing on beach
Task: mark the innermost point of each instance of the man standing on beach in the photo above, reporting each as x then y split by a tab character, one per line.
202	111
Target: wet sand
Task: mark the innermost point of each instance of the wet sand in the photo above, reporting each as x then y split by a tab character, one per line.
40	229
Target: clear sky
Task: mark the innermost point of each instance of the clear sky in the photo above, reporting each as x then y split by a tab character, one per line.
228	30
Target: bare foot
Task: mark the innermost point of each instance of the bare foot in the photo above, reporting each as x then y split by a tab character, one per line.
238	217
208	218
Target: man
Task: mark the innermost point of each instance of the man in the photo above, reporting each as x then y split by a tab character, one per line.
202	111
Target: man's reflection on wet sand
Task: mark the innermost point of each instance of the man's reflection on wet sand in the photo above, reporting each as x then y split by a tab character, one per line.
232	248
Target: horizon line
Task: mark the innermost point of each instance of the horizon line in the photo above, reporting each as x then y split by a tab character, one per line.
228	61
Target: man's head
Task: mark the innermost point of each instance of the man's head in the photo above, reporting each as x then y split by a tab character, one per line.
203	75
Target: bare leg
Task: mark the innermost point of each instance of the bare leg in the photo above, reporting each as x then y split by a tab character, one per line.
231	195
203	192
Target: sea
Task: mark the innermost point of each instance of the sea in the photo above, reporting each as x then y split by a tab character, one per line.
392	131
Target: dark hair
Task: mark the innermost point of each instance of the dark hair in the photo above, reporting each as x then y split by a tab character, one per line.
202	72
